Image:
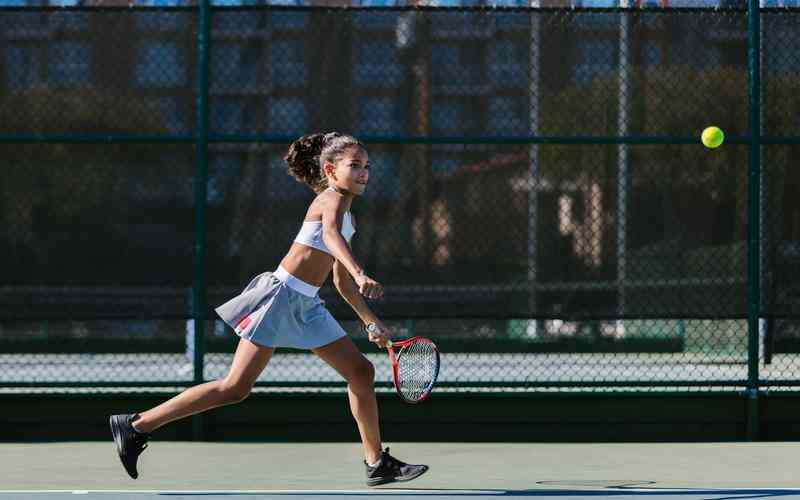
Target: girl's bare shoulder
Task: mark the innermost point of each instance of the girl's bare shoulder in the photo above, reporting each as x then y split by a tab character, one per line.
326	200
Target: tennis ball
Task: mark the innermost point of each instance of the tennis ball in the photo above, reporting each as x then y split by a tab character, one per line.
712	137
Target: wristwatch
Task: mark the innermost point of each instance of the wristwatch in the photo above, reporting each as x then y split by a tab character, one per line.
371	327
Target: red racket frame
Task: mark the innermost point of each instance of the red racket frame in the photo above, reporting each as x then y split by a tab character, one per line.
401	344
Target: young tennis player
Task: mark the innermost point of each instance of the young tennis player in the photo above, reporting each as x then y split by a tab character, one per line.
282	309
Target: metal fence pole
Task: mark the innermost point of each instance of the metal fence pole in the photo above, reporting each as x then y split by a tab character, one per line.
754	223
534	326
622	159
763	208
200	180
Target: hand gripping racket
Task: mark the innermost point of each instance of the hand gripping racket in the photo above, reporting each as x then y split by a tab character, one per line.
415	367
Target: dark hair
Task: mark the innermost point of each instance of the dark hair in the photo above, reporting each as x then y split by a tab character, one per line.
308	154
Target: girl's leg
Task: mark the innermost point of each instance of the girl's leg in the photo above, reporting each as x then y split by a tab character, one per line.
359	373
248	363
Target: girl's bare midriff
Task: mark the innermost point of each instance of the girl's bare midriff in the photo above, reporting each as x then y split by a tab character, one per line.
308	264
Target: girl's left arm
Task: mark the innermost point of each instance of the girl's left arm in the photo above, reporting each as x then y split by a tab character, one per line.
349	291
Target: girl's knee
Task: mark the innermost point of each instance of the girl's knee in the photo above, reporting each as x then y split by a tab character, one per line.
234	392
363	374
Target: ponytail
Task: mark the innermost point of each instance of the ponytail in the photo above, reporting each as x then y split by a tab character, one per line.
303	162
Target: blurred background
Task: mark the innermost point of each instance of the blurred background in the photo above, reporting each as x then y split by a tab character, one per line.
539	204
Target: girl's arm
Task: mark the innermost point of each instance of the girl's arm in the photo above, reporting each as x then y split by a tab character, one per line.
349	291
332	211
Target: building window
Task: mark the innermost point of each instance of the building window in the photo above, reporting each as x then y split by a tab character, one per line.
377	65
234	66
70	21
23	67
240	22
289	20
159	21
287	63
454	117
70	63
379	115
377	20
652	54
456	70
226	116
512	21
160	64
515	72
24	22
597	58
287	115
461	25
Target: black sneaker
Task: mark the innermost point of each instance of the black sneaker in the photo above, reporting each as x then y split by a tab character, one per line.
390	470
130	442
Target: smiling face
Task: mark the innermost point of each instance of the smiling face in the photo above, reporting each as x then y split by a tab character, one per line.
349	172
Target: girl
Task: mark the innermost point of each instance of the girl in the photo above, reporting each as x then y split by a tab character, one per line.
282	309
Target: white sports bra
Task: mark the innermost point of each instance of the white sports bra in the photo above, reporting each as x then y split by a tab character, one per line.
311	233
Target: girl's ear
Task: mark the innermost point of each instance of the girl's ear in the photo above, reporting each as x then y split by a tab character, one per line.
328	168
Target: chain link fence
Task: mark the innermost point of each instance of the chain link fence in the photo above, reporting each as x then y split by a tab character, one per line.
539	203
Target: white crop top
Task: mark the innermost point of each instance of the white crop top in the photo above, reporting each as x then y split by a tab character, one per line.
311	233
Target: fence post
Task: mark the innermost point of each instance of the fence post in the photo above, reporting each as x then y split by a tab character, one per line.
753	214
200	180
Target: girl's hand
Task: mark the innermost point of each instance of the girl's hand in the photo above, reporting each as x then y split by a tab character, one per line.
368	287
380	335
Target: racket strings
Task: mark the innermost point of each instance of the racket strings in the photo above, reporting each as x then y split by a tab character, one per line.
418	366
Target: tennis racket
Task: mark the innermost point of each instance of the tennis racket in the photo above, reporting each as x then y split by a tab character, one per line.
415	366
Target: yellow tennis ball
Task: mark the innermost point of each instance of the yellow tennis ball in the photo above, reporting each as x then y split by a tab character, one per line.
712	137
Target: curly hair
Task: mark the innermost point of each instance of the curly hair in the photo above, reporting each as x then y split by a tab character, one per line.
308	154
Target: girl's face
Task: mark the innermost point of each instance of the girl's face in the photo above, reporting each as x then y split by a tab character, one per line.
350	172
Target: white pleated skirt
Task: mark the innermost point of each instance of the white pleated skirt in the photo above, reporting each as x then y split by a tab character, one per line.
278	310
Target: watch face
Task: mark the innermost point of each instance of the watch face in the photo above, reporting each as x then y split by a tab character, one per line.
372	328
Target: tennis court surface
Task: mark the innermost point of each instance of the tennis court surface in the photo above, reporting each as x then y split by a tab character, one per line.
687	471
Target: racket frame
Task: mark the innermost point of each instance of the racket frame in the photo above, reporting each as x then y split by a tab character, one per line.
402	344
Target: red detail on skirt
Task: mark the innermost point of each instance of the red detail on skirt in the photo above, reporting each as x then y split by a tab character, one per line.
243	324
